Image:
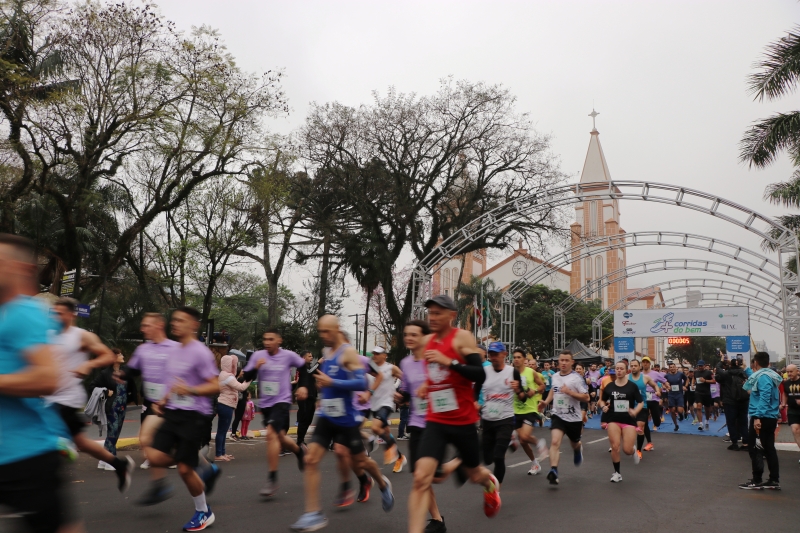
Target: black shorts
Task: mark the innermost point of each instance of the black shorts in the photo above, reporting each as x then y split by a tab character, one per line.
571	429
74	418
35	489
495	439
276	416
703	399
383	414
793	417
464	438
326	432
689	397
414	438
592	393
675	400
147	409
181	435
527	419
644	415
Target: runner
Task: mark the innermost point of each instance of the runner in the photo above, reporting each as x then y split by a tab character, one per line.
594	376
621	403
75	345
272	368
497	414
341	373
186	408
643	416
702	396
691	387
547	375
453	366
584	405
566	394
528	392
382	402
790	398
31	432
677	383
533	364
653	400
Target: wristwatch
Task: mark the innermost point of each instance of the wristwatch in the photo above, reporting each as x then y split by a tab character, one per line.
454	363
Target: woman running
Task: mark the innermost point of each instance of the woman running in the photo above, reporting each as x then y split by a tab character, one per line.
621	402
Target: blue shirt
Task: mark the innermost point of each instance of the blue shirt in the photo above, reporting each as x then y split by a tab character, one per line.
337	403
28	426
480	393
764	398
547	376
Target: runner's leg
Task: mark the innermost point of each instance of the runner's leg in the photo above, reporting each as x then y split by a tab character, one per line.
555	443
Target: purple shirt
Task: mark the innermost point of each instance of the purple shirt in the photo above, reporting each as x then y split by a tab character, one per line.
150	359
594	376
358	405
714	390
274	376
194	364
659	378
414	375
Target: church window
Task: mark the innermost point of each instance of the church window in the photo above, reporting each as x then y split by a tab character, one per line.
446	281
593	217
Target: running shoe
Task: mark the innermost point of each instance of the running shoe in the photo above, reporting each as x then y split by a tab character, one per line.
514	444
102	465
616	477
648	447
404	437
676	428
200	520
145	465
391	455
700	427
734	447
770	485
541	449
655	428
158	492
345	498
491	500
535	468
751	485
637	456
125	474
301	464
387	498
552	477
67	449
209	476
364	490
370	446
436	526
269	489
310	522
706	426
399	464
577	456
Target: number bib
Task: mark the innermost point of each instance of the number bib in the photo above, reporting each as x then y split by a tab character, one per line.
621	406
333	407
443	400
675	388
179	400
420	405
270	388
691	389
649	396
491	411
701	380
561	403
153	391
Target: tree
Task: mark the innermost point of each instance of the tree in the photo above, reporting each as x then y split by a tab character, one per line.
488	298
363	255
700	348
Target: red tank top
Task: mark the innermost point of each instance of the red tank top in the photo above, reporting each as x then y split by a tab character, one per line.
451	399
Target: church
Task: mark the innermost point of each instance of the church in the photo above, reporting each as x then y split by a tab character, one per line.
593	218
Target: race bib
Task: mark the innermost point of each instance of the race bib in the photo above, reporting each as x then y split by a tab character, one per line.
621	406
153	391
547	380
523	381
443	400
701	380
184	401
270	388
333	407
691	389
675	388
561	403
649	396
420	405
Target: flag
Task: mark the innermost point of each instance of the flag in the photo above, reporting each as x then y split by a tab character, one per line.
478	317
487	313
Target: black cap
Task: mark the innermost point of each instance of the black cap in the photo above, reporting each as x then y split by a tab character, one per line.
442	300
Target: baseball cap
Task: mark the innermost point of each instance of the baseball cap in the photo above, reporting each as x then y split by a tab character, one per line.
612	370
645	358
378	349
497	347
442	300
701	363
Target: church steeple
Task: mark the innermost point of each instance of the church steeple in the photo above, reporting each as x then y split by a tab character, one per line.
595	168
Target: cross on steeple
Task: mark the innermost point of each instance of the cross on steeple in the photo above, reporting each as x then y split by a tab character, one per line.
593	114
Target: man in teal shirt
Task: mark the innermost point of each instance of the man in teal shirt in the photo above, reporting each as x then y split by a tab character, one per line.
763	386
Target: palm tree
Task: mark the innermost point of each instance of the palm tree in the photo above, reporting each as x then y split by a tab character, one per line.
363	254
469	293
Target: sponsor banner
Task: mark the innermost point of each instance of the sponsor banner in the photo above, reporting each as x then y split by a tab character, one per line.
623	347
694	322
67	283
738	347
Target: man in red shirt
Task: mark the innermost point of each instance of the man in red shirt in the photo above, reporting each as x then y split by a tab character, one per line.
455	374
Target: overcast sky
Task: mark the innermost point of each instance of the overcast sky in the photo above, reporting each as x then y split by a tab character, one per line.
668	79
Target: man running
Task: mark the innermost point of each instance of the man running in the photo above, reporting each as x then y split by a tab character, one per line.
454	372
567	392
676	381
341	373
702	395
75	346
31	431
272	366
382	402
497	414
642	417
594	384
790	399
306	397
186	408
621	403
547	376
691	387
653	399
527	390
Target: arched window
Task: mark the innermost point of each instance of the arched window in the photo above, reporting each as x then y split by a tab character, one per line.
598	266
455	279
588	277
446	281
593	216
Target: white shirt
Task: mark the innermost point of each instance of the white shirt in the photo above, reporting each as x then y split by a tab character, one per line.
498	396
384	394
69	356
565	406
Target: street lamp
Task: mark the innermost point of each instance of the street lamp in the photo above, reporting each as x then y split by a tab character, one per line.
357	331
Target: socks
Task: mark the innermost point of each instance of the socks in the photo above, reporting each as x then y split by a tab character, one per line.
616	468
389	439
363	479
273	476
647	433
554	469
200	502
639	441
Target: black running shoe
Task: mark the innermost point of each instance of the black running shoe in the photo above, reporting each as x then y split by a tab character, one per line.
436	526
125	473
770	485
750	485
301	464
158	492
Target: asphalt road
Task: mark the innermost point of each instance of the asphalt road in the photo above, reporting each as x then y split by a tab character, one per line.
688	483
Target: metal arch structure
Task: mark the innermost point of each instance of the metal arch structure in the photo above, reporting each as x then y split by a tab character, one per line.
785	242
754	284
729	299
756	261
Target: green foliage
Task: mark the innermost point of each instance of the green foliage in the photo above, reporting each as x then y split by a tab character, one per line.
467	295
704	348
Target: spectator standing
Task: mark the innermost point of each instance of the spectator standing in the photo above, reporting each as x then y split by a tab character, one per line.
229	388
734	401
306	401
764	401
118	395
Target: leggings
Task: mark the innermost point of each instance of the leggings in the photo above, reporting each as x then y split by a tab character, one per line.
495	439
305	415
655	411
245	427
238	414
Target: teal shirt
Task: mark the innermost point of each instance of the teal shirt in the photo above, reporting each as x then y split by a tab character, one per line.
642	388
28	426
764	398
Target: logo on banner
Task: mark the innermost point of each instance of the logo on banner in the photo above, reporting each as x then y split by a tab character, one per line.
663	324
627	315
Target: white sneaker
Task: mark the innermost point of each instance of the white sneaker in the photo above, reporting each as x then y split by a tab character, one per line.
609	449
541	449
636	458
108	467
173	467
145	465
102	465
535	468
616	477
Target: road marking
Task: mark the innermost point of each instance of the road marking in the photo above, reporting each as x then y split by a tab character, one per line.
598	440
518	464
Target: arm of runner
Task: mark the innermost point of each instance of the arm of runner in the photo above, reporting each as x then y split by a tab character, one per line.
649	381
103	355
639	404
464	343
546	401
396	372
39	378
352	363
537	378
209	388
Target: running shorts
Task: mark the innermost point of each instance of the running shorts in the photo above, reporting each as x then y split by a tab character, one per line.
35	489
703	399
495	439
181	435
276	416
675	400
690	397
643	415
414	438
326	432
383	414
527	419
793	417
464	438
147	409
571	429
74	419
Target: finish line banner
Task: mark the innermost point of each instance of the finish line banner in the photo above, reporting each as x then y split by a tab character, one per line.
693	322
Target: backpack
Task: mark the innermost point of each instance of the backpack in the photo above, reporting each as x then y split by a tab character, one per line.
737	384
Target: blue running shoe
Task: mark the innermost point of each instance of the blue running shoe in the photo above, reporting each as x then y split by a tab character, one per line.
310	522
158	492
200	520
387	498
577	457
552	477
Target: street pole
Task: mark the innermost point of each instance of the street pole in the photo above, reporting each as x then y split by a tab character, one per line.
357	339
102	307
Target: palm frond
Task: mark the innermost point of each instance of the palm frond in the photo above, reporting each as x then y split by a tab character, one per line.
779	70
763	142
791	222
785	193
